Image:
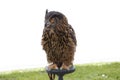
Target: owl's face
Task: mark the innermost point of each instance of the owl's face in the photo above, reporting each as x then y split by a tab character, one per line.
53	18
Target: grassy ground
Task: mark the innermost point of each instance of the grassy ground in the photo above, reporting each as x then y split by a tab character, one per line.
109	71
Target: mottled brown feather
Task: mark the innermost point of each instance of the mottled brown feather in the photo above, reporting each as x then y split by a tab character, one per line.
58	39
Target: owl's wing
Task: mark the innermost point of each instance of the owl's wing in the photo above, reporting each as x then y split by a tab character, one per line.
72	33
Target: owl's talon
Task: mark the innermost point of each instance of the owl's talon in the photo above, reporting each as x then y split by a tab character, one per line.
52	66
65	67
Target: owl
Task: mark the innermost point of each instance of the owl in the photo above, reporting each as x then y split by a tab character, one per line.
58	40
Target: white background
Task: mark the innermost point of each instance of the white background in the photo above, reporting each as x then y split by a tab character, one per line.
96	23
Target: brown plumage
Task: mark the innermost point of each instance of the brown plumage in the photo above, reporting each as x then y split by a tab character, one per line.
58	40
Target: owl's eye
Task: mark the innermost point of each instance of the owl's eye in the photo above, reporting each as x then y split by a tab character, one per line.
52	20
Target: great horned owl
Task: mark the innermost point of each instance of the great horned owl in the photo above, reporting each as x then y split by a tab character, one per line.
58	40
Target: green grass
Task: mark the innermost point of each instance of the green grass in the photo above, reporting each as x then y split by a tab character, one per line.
100	71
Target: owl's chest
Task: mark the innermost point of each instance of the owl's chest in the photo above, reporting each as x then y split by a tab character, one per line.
55	39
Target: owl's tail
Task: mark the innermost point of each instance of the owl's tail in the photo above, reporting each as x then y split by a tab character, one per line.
51	76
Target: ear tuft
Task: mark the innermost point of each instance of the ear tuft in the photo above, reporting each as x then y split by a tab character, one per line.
46	11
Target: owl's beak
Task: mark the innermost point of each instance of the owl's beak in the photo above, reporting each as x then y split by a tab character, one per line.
47	23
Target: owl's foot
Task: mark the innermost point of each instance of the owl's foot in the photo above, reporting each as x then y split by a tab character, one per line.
52	66
65	67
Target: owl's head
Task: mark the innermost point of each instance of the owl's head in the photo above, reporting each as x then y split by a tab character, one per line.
54	18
